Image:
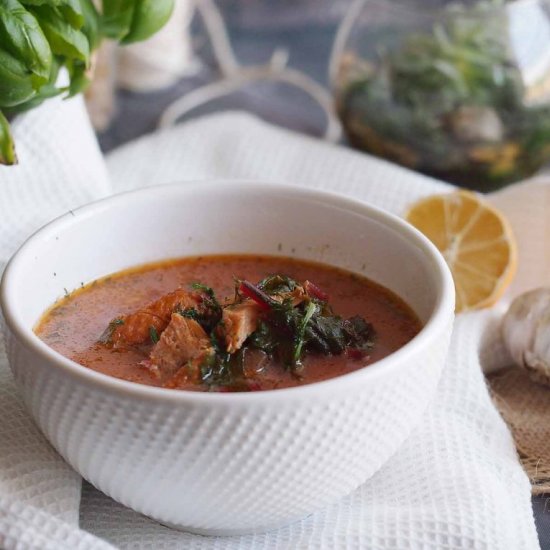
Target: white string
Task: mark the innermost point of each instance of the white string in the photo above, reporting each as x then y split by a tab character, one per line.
235	77
342	34
219	39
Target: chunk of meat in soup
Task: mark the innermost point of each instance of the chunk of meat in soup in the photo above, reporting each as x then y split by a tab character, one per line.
238	323
135	329
182	340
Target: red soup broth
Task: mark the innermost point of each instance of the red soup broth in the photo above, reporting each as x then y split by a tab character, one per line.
74	325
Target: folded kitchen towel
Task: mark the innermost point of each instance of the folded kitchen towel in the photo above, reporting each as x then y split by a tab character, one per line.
455	483
60	168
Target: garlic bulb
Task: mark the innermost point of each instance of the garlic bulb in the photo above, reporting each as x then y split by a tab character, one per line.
526	333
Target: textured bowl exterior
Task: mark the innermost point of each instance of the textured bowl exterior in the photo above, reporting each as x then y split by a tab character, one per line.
232	469
239	462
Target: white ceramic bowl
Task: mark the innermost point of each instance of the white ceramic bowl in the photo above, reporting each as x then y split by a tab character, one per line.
226	463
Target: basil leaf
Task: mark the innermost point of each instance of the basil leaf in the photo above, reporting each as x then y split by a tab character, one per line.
117	18
45	92
16	84
133	20
52	3
79	79
72	12
91	23
63	38
149	16
22	37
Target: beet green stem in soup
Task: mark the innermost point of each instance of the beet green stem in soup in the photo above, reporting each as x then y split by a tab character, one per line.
191	337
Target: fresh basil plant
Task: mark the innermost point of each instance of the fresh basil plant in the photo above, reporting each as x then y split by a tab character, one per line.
39	37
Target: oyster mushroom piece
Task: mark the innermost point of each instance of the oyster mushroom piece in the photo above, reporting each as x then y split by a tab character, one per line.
526	333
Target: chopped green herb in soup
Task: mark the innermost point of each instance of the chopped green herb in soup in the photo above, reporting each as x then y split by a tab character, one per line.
229	323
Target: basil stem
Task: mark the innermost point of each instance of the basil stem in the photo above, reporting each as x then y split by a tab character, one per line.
7	147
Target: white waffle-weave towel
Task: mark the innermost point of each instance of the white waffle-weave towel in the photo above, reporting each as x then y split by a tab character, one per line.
455	483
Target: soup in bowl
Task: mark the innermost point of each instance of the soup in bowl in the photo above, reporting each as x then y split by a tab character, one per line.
227	357
199	324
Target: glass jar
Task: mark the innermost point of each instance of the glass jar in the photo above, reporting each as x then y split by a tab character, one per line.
457	91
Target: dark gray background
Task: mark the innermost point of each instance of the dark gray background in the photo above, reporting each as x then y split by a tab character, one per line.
257	27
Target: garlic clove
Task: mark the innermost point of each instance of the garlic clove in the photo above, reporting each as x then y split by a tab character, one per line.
526	333
539	358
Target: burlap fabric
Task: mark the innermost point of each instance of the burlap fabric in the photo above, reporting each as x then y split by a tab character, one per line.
525	406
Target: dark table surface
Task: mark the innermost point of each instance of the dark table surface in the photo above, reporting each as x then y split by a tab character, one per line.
256	29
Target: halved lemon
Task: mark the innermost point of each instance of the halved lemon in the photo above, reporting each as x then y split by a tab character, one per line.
475	239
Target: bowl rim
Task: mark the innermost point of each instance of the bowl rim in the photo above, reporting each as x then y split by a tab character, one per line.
442	314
